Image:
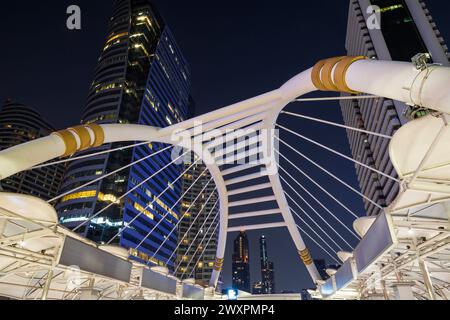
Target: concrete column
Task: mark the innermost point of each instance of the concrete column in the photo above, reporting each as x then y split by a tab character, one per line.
427	279
403	291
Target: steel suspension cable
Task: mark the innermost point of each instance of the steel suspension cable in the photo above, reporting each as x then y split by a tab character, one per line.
168	212
338	153
314	221
337	125
329	173
153	202
312	239
129	192
204	249
109	174
318	202
192	224
320	238
178	223
198	233
89	155
362	97
318	185
201	244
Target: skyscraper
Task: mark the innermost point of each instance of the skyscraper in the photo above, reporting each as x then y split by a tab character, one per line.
407	29
143	78
241	267
20	124
267	271
200	209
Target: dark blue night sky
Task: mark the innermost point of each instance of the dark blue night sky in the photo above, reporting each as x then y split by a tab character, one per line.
236	49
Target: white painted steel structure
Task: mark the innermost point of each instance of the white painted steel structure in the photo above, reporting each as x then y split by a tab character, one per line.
422	164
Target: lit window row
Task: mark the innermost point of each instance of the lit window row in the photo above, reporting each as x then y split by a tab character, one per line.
108	198
109	87
116	36
146	257
114	39
141	47
162	204
141	209
80	195
105	117
391	8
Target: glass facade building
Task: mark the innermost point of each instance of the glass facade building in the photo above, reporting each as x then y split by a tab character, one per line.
200	209
20	124
141	77
406	29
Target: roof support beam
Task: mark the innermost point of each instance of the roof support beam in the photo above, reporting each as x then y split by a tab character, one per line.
258	227
252	201
246	178
241	168
230	136
254	214
250	189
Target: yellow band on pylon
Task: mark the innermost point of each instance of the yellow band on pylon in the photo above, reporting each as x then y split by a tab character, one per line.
306	257
85	137
330	74
218	265
69	141
99	134
340	73
70	136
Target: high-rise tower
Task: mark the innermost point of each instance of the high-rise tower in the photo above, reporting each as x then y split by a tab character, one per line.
200	208
267	268
20	124
406	29
241	267
142	77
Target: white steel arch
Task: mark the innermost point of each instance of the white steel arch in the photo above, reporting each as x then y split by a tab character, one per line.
395	80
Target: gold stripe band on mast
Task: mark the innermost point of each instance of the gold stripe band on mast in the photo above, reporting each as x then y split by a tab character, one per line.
340	73
218	265
330	74
85	137
69	141
85	140
306	257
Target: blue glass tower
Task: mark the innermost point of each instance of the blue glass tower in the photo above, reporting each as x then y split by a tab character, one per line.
141	77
